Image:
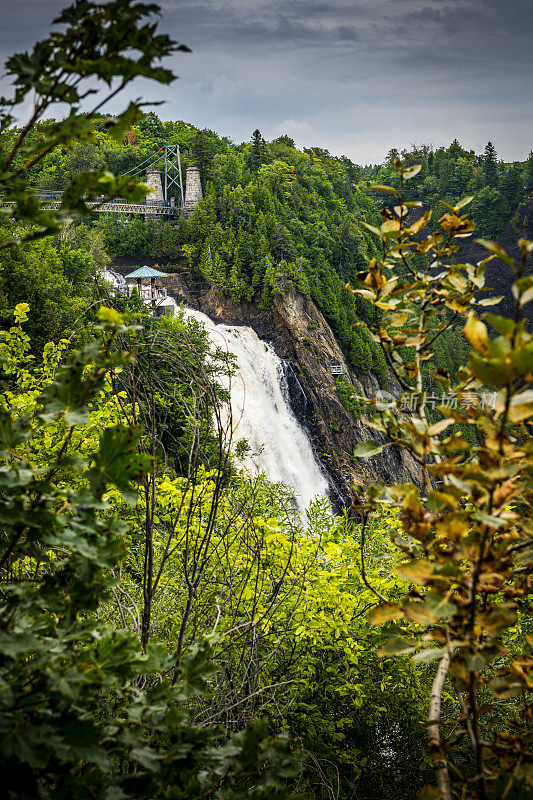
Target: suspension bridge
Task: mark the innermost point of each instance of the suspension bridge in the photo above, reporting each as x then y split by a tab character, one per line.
167	197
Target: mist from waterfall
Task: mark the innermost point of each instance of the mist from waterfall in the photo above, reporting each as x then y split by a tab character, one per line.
261	413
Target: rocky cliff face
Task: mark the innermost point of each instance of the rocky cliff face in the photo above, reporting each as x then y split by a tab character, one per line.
300	335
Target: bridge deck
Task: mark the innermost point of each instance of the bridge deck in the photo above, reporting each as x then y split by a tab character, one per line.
118	208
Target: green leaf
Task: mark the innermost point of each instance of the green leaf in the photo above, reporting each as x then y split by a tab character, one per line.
475	662
463	203
77	416
438	606
116	460
147	758
425	656
397	646
13	645
503	325
491	371
368	449
495	249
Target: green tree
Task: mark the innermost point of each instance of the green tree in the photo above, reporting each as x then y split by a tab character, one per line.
258	150
62	69
528	172
490	165
74	719
512	184
57	284
203	148
467	539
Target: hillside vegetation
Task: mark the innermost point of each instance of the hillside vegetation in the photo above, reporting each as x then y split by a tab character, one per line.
169	626
275	217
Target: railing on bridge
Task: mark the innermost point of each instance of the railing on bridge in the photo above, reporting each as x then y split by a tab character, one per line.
52	200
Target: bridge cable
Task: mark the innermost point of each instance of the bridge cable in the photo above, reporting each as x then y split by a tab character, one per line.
139	167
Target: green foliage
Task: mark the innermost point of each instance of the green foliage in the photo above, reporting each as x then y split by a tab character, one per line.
450	173
349	400
275	583
155	602
54	280
528	172
491	210
288	606
257	152
88	48
83	708
490	165
467	536
273	220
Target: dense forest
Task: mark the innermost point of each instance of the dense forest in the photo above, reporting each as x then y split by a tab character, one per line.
170	627
274	217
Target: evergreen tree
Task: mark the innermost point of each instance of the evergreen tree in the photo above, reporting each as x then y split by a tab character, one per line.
258	150
360	355
203	151
455	149
528	172
490	165
512	183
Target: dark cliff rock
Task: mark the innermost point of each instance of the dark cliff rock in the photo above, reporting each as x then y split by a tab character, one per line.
300	335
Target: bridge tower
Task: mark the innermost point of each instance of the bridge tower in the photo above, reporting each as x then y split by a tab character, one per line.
173	171
153	179
193	191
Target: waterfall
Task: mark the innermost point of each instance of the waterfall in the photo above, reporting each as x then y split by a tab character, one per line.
261	414
112	277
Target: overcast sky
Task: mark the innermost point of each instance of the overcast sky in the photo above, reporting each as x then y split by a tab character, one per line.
355	76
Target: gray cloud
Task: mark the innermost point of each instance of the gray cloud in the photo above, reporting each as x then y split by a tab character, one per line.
355	76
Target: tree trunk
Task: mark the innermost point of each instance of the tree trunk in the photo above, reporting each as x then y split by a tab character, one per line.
436	753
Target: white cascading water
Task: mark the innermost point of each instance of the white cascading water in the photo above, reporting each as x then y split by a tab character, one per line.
261	414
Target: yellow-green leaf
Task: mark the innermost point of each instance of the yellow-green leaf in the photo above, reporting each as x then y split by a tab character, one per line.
367	449
378	187
416	571
385	612
462	203
410	172
440	426
496	250
476	333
